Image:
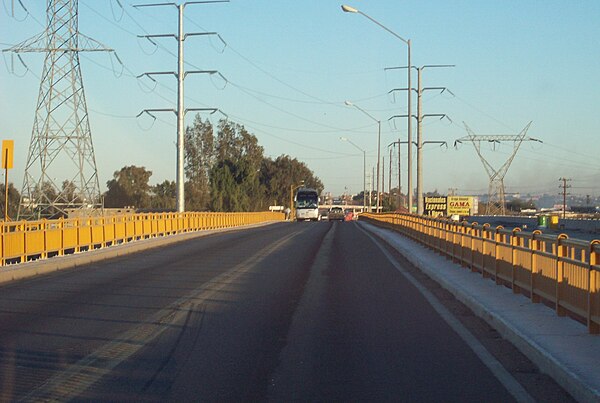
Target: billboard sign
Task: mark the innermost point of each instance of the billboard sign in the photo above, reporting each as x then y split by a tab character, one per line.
435	206
460	205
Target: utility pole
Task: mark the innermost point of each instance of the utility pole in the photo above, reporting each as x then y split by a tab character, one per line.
180	75
564	187
382	178
419	117
390	177
372	188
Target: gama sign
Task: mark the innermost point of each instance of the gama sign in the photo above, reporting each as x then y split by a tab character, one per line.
460	205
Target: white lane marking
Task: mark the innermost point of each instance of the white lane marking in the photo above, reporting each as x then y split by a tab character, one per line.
505	378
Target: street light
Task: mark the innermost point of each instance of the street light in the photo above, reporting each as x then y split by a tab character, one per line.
348	103
292	188
348	9
364	171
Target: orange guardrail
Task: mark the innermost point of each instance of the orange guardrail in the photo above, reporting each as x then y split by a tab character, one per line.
29	240
562	272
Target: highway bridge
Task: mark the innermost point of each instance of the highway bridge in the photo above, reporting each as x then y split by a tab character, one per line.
282	311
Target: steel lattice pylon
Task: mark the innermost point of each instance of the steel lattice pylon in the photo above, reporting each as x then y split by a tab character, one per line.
496	194
61	140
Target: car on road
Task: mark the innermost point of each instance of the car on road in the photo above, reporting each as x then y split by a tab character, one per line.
324	215
336	213
349	215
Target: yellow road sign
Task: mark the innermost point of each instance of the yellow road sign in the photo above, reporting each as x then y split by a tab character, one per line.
8	147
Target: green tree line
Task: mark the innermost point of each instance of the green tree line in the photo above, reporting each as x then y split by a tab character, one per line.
225	170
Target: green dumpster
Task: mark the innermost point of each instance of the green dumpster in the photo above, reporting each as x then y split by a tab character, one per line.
542	221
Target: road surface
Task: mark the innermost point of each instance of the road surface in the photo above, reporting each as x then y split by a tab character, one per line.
285	312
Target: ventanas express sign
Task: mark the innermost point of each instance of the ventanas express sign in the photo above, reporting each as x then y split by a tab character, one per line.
435	206
447	206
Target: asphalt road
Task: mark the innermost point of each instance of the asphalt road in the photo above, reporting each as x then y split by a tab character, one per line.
286	312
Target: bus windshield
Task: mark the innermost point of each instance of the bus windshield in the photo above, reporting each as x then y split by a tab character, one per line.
307	200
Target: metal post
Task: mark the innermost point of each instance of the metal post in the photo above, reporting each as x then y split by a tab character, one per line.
364	180
372	187
180	115
378	160
382	178
409	145
6	186
390	178
399	177
419	143
291	202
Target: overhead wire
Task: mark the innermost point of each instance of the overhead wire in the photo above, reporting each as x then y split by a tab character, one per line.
239	87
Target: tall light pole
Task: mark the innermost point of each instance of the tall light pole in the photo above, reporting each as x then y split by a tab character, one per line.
364	171
378	146
348	9
400	203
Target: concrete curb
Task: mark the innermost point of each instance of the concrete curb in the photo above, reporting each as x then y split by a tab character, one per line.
38	267
543	358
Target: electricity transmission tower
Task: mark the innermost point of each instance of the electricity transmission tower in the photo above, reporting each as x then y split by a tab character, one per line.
496	194
61	139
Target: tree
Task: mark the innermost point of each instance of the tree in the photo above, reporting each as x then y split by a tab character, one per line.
164	196
14	198
43	198
199	160
227	195
516	205
276	177
68	194
129	187
234	178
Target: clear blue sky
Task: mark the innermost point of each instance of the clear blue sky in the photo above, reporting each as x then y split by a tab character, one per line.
290	66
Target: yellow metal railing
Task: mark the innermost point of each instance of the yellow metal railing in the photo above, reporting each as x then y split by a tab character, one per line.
27	240
555	269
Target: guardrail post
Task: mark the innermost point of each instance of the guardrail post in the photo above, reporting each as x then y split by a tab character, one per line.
535	248
561	250
515	241
498	238
44	228
78	226
462	231
474	233
485	234
593	291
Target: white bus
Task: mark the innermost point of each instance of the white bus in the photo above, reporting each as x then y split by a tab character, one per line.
307	204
